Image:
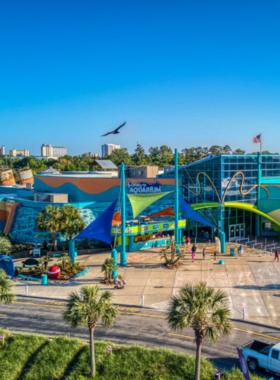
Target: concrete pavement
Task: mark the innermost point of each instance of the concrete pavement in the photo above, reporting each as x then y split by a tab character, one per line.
252	281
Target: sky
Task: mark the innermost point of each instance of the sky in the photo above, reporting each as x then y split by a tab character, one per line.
182	73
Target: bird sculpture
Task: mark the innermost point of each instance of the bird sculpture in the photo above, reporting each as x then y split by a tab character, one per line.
115	131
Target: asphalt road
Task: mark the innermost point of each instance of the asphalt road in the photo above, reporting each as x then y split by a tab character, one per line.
134	326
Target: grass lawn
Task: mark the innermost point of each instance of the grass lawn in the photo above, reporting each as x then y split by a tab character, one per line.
31	357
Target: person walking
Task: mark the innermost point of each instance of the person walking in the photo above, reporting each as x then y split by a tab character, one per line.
193	252
184	240
215	255
203	253
276	255
188	241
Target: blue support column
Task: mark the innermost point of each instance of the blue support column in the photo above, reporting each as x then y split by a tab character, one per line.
72	251
114	255
123	248
223	242
131	243
177	238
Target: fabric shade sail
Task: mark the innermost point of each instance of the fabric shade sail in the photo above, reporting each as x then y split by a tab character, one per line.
100	228
166	212
141	201
117	219
189	213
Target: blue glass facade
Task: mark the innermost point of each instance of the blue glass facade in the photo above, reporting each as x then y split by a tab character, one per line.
229	179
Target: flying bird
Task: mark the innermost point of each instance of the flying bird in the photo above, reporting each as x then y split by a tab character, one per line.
115	131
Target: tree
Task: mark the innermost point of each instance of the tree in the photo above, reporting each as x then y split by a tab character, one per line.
88	308
107	267
205	310
6	287
239	151
139	154
45	260
172	258
5	245
50	219
154	155
119	156
72	222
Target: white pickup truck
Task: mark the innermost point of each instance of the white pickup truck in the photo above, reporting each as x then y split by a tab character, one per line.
262	355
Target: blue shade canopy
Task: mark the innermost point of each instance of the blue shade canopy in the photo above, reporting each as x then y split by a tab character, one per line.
189	213
100	228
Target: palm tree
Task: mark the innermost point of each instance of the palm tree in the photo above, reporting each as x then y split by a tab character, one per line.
45	260
205	310
64	258
50	219
5	245
108	267
72	221
88	308
5	288
169	252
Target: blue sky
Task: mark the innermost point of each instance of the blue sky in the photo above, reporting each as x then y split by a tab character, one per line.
181	73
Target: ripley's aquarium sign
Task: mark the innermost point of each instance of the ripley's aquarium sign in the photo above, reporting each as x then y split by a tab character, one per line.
144	187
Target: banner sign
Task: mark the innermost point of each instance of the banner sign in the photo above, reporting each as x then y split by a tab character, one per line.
218	244
155	226
144	187
243	365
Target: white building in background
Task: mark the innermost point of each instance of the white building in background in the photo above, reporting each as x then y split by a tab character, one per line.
14	153
107	149
2	151
53	151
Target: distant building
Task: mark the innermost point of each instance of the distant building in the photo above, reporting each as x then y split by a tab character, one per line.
2	151
94	155
107	149
16	153
140	171
53	151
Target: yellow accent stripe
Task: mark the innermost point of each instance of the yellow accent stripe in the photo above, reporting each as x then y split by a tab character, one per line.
182	336
3	315
255	333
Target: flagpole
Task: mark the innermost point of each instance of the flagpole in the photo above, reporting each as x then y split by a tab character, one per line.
261	144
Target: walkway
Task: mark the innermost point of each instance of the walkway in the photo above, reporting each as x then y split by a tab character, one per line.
251	282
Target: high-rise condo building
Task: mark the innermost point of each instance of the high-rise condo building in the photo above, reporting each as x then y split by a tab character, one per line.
107	149
53	151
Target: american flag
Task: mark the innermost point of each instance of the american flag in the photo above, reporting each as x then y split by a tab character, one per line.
257	139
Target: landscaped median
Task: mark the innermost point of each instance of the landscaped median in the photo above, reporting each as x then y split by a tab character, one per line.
34	357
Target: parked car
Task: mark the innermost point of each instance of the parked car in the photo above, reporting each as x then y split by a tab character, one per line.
262	355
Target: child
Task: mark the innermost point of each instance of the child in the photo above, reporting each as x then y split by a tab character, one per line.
203	253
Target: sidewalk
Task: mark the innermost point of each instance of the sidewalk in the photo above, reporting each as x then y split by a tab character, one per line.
251	282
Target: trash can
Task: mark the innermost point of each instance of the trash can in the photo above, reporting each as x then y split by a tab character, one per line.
232	252
44	279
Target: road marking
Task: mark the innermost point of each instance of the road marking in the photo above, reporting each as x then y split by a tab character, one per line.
182	336
39	304
255	333
143	315
54	302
